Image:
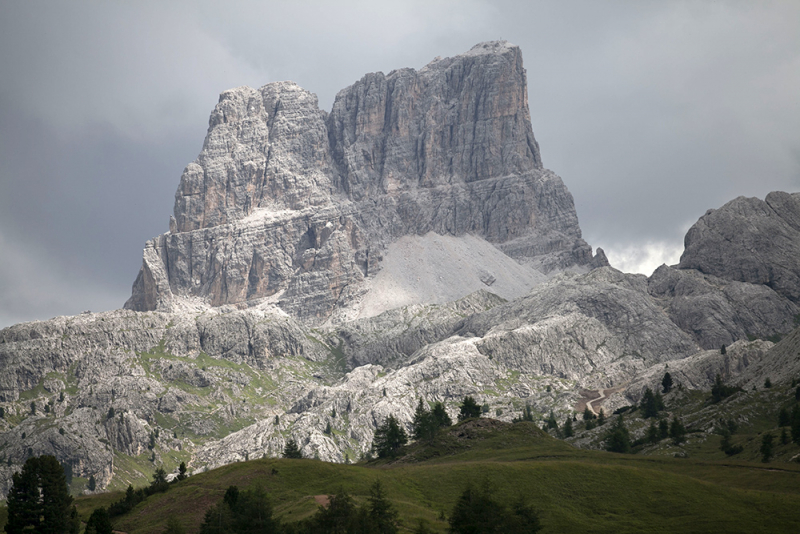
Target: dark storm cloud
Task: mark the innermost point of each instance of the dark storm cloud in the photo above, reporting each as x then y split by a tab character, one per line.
652	112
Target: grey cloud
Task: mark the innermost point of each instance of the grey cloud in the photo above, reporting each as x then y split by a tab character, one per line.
652	112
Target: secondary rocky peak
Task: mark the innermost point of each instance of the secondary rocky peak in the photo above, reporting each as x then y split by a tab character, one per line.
290	204
264	148
750	240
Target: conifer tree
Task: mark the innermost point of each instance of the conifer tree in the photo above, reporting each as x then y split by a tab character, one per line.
440	416
551	422
423	426
291	450
677	431
766	447
181	472
39	500
618	439
567	429
382	514
796	424
652	433
469	409
389	437
99	522
783	417
651	404
666	383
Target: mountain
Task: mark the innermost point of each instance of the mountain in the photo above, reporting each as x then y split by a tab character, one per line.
292	205
325	270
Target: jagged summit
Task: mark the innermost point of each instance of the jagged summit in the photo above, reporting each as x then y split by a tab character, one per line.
291	205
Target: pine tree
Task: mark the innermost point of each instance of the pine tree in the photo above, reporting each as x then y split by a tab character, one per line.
652	433
159	483
723	350
328	428
182	471
796	424
291	450
39	498
382	514
601	418
588	415
666	383
784	437
677	431
389	437
423	426
551	422
99	522
783	417
476	511
618	439
440	416
567	429
726	445
766	447
469	409
767	383
92	483
651	404
527	414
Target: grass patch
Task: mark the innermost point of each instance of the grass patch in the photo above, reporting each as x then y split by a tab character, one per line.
574	490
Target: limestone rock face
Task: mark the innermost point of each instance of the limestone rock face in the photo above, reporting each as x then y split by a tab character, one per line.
718	312
457	120
601	327
288	204
750	240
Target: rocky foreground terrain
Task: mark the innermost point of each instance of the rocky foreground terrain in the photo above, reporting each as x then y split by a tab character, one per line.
325	270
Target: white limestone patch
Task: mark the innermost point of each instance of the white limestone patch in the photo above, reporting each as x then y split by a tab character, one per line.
436	269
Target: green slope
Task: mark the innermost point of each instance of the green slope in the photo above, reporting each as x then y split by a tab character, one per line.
574	490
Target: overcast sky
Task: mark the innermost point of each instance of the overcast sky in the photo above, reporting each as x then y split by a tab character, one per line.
651	112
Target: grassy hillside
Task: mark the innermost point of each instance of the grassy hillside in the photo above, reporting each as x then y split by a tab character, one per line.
574	490
753	412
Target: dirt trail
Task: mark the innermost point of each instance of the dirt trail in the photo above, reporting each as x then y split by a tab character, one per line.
589	403
592	399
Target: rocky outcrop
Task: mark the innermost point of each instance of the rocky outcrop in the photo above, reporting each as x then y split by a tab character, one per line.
289	204
717	312
750	240
597	328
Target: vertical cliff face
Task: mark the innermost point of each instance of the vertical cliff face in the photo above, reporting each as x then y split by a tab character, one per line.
457	120
291	204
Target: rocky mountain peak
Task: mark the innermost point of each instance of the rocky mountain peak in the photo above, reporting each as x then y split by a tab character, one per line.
289	205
